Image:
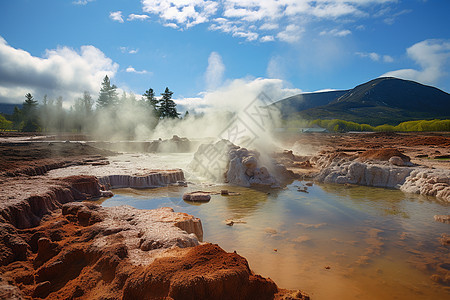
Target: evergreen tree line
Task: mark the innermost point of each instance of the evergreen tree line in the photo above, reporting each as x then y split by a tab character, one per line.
123	113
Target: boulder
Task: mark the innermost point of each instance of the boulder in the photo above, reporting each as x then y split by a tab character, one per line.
442	218
429	182
368	173
397	161
197	196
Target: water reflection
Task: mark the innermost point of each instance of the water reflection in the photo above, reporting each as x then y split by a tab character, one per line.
245	204
335	242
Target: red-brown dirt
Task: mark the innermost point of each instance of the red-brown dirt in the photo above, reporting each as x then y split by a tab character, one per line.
36	158
24	201
383	154
49	247
428	148
58	260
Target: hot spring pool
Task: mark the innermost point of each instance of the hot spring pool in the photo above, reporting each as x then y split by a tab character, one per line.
334	242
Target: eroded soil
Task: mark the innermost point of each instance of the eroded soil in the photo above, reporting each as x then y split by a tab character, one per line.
49	250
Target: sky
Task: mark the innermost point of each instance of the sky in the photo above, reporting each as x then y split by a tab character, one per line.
204	49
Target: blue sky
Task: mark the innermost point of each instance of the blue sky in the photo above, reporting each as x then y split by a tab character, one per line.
199	48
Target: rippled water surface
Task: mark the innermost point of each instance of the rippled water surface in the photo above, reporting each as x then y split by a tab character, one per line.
334	242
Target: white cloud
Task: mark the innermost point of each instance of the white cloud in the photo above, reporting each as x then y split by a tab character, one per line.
248	35
336	32
390	20
184	13
116	16
82	2
130	69
267	38
234	28
214	71
133	17
375	56
249	18
432	56
171	25
388	58
269	26
128	50
372	55
61	72
291	34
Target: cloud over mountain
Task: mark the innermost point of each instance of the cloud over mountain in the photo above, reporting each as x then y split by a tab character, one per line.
433	57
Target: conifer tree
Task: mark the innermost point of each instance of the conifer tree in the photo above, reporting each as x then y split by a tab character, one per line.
152	102
108	96
16	118
87	103
29	113
167	108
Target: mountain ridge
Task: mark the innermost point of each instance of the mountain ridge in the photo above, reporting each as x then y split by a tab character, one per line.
384	100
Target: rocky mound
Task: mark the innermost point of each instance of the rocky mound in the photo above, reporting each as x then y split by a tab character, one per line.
225	162
90	252
429	182
383	155
23	202
56	248
387	168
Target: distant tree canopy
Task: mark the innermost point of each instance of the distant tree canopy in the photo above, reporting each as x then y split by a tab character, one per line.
337	125
124	116
5	124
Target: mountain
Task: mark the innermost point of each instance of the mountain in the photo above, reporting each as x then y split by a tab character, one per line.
384	100
305	101
7	108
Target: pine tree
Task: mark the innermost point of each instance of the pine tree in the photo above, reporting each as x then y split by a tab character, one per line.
152	102
167	108
151	99
29	105
29	113
16	118
108	94
87	103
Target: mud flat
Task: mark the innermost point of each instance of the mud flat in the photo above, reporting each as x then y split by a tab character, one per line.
55	247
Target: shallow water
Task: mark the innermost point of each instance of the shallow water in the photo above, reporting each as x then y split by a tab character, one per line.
334	242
